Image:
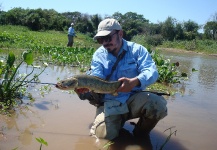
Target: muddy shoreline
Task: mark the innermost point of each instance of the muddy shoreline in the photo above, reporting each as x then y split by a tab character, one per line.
183	51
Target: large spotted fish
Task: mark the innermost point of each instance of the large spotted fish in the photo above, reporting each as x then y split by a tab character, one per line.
93	83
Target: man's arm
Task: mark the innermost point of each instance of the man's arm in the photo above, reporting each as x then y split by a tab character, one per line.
148	73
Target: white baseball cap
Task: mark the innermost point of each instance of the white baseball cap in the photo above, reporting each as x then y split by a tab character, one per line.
106	27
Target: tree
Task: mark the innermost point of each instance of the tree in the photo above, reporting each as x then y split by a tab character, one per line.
131	23
73	16
15	16
190	30
96	19
84	25
168	28
3	18
151	28
214	17
117	16
210	30
179	32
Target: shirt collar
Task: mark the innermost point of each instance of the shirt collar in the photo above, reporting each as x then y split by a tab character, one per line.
123	47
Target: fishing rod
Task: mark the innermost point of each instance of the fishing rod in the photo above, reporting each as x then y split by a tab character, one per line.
30	82
39	82
155	92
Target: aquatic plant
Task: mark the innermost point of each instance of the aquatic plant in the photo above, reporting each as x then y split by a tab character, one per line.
168	72
107	145
42	142
12	85
168	137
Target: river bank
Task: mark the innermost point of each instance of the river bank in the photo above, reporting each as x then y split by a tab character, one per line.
184	51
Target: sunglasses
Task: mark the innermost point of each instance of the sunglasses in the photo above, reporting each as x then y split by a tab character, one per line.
107	38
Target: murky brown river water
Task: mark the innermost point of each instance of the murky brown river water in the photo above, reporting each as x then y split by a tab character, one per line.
63	120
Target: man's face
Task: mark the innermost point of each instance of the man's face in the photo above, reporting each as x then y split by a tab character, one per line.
111	42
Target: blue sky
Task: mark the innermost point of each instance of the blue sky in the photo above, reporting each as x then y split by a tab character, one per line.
155	11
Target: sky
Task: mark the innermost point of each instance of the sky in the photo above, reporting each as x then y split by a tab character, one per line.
199	11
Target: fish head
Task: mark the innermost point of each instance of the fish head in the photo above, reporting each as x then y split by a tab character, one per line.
67	84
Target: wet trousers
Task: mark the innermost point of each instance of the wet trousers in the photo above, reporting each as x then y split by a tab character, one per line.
70	41
146	106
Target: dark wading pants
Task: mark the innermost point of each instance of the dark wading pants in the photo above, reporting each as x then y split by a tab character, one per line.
70	41
148	107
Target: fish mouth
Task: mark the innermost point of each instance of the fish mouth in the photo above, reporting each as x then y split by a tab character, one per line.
60	87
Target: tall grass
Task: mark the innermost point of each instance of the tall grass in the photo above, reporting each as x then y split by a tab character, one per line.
22	37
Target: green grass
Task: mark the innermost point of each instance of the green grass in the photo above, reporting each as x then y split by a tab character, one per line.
21	37
204	46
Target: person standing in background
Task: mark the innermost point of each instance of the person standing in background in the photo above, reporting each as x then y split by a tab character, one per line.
71	34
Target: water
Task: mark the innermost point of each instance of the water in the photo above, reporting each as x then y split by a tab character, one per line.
194	113
63	120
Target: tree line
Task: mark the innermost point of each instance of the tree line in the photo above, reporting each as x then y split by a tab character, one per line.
132	24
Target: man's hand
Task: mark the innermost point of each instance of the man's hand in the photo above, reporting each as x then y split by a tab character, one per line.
128	84
83	93
94	98
81	90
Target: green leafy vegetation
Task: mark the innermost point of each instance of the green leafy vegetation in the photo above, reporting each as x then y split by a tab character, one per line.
75	56
12	86
42	142
19	37
168	72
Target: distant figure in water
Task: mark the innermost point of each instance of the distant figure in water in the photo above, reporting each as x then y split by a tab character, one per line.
71	34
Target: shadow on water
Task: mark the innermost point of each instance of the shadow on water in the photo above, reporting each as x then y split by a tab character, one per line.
42	105
126	141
